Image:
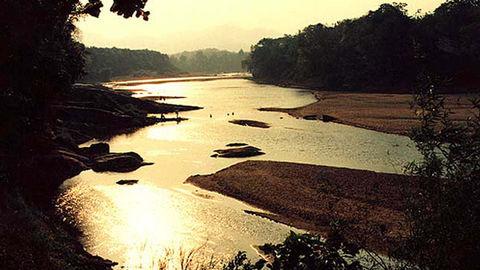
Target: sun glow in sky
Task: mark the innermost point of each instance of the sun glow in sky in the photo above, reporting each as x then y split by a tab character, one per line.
178	25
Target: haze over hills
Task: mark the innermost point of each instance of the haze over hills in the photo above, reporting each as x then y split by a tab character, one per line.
209	61
105	64
186	25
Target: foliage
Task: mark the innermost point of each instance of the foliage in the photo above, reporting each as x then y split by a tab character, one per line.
377	51
103	64
209	61
445	212
303	251
40	58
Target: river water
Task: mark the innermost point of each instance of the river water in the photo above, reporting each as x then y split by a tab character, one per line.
138	225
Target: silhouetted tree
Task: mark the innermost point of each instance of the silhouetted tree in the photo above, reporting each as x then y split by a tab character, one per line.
40	58
303	252
445	211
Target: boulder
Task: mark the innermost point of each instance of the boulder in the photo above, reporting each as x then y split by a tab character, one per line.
127	182
239	152
250	123
310	117
236	144
41	175
96	149
118	162
328	118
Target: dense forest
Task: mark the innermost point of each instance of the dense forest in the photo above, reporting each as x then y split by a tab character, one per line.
104	64
209	61
383	50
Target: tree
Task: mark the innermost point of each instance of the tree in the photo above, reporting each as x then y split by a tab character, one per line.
378	51
40	58
303	252
445	211
102	64
209	61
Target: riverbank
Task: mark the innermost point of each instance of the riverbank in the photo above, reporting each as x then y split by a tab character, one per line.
33	236
310	197
227	76
389	113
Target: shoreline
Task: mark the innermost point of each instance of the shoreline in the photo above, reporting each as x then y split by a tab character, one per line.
309	197
34	235
387	113
213	77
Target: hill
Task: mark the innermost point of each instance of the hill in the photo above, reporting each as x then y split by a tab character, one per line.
209	61
386	49
105	64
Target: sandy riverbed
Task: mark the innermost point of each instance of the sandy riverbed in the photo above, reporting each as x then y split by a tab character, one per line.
311	196
390	113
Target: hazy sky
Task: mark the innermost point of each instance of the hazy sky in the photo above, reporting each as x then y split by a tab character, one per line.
178	25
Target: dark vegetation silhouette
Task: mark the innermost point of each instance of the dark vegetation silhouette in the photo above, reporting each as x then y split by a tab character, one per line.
379	51
105	64
41	59
445	212
302	251
209	61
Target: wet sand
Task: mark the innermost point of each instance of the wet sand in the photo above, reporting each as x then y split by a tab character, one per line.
310	196
389	113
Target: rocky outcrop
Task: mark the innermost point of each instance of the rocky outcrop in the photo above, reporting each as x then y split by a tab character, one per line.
95	149
324	117
118	162
236	144
127	182
328	118
33	239
31	235
250	123
310	117
238	152
40	175
86	112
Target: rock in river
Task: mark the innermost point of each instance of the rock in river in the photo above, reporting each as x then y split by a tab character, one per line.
328	118
310	117
118	162
236	144
250	123
239	152
127	182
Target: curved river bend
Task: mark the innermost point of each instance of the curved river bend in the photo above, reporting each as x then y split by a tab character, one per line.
137	225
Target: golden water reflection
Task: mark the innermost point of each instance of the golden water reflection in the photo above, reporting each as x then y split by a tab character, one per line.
139	225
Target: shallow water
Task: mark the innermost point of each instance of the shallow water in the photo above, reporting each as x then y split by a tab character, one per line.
135	225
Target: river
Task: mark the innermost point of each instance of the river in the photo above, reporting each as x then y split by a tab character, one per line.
140	224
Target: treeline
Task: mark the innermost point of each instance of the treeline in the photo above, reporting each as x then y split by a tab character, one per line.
209	61
384	50
104	64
